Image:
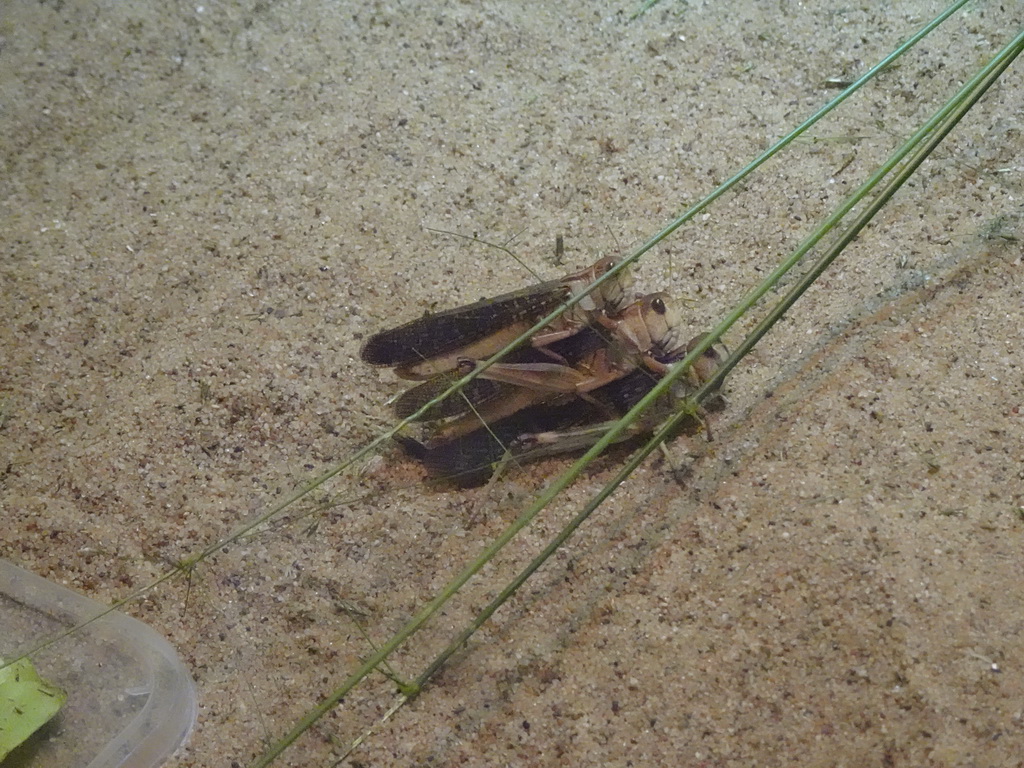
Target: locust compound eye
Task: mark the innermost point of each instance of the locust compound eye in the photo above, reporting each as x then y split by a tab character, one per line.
658	305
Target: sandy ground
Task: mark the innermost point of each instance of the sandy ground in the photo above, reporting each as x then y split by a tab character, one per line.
206	206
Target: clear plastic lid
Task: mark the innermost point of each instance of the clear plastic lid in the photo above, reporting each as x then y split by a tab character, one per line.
131	702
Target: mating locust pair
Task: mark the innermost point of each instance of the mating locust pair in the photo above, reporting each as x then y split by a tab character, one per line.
556	394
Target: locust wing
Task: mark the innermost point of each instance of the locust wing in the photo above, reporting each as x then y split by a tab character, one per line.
470	460
432	345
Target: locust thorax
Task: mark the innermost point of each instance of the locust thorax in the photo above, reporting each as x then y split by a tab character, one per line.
610	296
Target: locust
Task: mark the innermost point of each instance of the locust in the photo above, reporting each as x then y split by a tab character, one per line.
543	429
640	335
432	345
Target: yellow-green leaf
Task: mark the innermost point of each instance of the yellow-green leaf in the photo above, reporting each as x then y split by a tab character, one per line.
27	701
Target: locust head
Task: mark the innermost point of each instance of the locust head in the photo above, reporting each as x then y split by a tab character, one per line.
650	325
662	321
